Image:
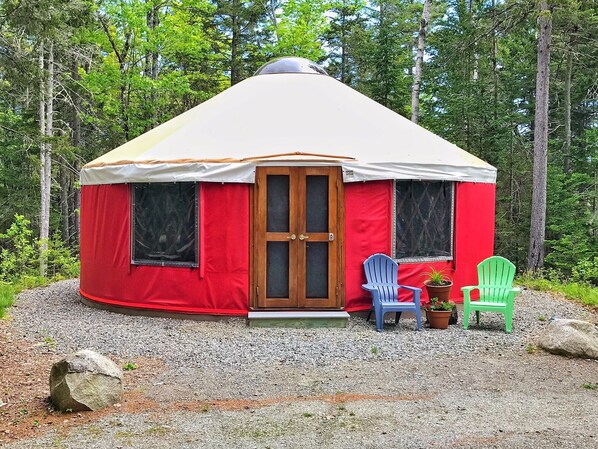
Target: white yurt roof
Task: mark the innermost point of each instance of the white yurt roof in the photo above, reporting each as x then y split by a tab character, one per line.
286	119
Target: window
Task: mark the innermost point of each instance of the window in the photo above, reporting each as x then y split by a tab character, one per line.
165	224
423	220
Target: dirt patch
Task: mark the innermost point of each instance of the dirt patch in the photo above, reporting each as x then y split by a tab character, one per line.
480	388
252	404
25	408
26	411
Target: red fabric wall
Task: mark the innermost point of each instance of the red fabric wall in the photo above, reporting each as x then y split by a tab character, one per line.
368	212
219	286
368	230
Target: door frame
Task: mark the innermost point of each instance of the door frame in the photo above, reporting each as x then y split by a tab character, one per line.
340	241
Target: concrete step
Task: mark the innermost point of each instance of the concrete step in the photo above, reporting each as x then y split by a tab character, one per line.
298	319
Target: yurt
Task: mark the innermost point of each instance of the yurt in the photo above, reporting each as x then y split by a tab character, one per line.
269	197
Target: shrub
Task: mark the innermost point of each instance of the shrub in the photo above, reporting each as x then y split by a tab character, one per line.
18	256
586	271
552	282
61	264
19	261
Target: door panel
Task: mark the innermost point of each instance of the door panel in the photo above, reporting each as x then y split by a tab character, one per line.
278	203
277	269
316	270
316	203
296	237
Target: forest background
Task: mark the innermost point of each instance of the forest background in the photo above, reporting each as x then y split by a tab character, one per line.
80	77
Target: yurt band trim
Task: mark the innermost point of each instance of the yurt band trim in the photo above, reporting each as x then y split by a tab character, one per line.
244	172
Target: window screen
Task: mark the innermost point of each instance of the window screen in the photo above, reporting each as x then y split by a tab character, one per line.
423	219
165	220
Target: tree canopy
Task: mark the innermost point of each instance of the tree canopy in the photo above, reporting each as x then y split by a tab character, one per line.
118	68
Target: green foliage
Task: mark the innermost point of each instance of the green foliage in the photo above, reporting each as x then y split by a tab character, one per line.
19	255
570	233
301	25
437	277
61	264
130	366
123	67
19	261
7	293
586	271
554	282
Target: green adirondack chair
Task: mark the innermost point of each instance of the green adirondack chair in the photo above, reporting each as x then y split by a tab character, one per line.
495	278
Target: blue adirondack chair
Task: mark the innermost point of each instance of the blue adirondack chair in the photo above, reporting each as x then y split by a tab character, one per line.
495	283
381	273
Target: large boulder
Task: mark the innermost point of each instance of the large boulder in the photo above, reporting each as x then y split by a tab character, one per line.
85	380
572	338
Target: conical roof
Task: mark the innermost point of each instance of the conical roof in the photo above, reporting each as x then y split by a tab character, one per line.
286	119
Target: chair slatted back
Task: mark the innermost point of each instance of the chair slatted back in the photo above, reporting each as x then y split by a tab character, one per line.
382	271
495	279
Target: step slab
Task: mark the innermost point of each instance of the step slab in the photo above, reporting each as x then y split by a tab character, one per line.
294	319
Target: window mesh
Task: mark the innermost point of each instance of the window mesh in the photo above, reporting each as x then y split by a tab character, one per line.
423	224
165	224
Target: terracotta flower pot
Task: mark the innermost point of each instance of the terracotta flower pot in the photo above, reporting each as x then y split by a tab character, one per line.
439	319
442	292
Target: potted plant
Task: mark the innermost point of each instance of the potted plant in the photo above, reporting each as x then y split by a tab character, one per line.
439	312
438	285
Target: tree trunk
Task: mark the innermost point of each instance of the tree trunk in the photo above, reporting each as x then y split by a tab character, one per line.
567	101
43	231
271	7
76	208
64	201
494	66
46	165
419	60
235	72
535	257
151	64
75	142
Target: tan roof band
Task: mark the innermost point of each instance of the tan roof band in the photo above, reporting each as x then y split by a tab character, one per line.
316	158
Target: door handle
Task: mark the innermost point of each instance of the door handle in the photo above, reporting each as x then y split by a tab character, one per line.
303	237
292	237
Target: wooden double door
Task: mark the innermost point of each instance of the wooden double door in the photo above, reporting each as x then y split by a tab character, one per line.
298	238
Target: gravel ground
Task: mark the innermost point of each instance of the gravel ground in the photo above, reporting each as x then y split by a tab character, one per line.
349	387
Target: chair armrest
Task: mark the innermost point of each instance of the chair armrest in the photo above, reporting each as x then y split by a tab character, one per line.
511	297
413	289
467	294
370	287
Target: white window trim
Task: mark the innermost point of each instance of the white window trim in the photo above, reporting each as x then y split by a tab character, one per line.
394	230
163	263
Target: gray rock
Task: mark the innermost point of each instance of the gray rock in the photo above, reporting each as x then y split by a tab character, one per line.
85	380
573	338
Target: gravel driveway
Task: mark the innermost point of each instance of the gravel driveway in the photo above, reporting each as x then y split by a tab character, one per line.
224	385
